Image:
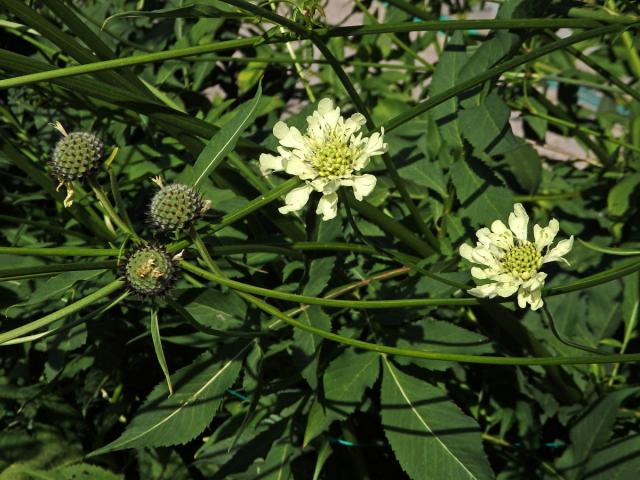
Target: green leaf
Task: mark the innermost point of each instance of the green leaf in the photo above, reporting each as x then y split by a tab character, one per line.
157	347
618	459
445	77
306	344
430	436
345	381
487	127
198	391
621	197
526	166
57	286
196	10
319	275
426	174
481	201
591	431
85	471
225	139
215	309
439	336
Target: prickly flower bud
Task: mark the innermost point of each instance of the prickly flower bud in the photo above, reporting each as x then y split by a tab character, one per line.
175	206
76	156
150	271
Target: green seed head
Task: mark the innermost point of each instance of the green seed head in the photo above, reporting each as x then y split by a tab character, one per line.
333	158
174	207
150	271
523	260
76	155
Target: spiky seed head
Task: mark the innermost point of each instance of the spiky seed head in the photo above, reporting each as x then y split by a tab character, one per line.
76	155
174	207
150	271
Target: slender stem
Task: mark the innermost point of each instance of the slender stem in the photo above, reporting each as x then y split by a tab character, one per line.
50	269
391	226
561	338
63	312
587	282
60	251
436	100
546	197
486	360
111	212
96	314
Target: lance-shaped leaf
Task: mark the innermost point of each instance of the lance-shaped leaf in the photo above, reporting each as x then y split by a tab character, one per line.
225	139
430	436
198	391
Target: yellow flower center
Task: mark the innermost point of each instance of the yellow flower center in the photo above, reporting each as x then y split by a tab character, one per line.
333	158
523	260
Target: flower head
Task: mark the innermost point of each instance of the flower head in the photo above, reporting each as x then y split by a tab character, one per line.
512	262
327	156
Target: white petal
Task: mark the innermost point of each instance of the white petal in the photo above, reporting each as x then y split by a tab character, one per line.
560	250
289	137
466	252
325	105
544	236
506	289
518	221
478	273
498	227
294	166
296	199
522	298
536	300
363	185
484	291
328	206
270	163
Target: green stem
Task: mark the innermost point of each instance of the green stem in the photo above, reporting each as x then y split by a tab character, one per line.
96	314
51	269
60	251
63	312
436	100
391	226
451	357
561	338
106	204
581	284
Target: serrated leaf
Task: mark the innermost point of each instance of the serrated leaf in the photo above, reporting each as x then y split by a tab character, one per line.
526	166
591	431
429	435
305	343
198	391
621	196
487	127
439	336
215	309
57	286
85	471
345	380
319	276
427	174
445	77
618	460
225	139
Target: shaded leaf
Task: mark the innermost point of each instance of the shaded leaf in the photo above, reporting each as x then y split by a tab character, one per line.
198	391
430	436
